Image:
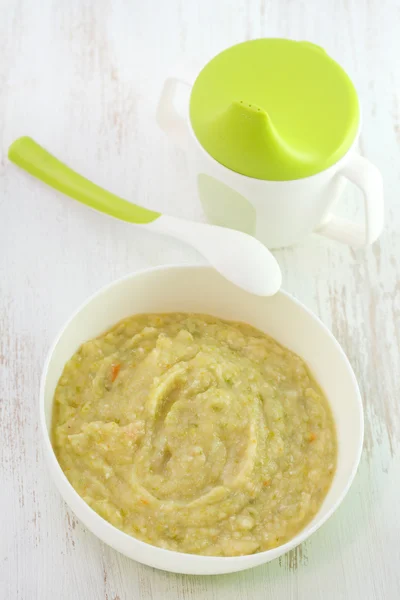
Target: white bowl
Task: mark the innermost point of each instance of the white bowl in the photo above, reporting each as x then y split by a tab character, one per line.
202	290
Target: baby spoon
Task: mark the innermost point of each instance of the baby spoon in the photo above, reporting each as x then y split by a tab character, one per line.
240	258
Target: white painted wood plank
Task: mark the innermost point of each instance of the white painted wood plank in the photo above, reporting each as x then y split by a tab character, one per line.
83	78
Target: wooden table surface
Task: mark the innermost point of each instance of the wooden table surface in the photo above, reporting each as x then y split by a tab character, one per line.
83	78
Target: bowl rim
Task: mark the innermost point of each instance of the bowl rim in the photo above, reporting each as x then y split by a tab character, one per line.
230	563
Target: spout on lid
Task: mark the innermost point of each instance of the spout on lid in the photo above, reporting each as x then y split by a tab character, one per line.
245	139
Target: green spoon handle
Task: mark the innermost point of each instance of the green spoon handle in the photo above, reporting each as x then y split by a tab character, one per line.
34	159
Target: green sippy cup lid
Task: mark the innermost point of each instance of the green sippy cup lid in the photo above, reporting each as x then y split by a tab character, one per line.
274	109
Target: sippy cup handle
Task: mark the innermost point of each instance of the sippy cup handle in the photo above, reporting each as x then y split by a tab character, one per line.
368	179
172	110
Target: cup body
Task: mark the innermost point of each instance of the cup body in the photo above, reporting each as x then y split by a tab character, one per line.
278	213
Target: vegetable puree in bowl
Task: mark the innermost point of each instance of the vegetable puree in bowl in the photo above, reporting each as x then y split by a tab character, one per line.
195	434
